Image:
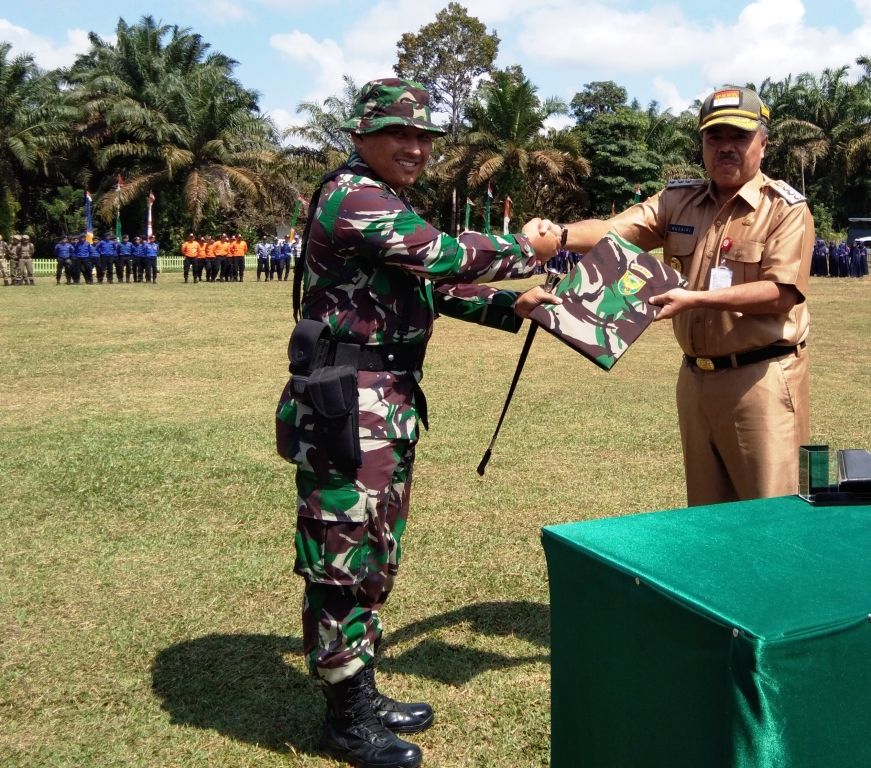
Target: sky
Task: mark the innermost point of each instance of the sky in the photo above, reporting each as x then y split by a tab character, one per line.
298	50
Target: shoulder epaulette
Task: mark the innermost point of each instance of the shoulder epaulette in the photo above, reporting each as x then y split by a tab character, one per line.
675	183
792	196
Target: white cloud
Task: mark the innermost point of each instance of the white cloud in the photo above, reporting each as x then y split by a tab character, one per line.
46	52
668	96
223	11
768	38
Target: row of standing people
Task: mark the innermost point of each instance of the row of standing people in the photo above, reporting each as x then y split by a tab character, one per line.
16	260
209	259
106	259
839	259
214	259
275	259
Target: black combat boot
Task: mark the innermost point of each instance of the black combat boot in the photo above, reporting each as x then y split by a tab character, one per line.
354	733
395	715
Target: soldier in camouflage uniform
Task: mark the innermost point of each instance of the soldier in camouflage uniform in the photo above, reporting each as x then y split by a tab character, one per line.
374	274
4	264
14	257
25	260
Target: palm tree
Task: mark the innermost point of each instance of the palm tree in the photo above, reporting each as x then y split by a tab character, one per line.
326	145
508	148
33	127
161	111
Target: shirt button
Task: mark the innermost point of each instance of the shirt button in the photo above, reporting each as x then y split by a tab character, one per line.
718	223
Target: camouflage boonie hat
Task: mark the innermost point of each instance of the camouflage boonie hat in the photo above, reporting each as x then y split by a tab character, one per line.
740	107
391	101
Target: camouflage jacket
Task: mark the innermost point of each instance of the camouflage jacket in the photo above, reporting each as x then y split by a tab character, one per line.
378	273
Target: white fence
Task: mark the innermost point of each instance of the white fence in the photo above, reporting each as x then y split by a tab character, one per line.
46	267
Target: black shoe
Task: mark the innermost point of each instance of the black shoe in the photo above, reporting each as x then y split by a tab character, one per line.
395	715
353	732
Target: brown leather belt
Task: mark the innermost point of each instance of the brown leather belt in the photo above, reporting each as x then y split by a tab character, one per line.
744	358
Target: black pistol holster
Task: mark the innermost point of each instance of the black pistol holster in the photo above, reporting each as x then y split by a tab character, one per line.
324	377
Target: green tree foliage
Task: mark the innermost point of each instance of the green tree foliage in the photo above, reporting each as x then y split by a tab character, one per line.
448	56
602	97
325	145
34	130
161	111
506	146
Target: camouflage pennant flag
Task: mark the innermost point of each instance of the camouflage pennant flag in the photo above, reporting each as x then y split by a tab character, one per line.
605	300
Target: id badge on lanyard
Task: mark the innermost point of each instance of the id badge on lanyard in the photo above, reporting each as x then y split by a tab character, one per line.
721	275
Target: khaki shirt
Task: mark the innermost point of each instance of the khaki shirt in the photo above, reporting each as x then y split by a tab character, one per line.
772	233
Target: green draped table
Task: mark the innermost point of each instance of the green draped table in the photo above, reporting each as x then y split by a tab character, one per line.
729	635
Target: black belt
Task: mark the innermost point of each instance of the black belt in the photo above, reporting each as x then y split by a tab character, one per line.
744	358
407	356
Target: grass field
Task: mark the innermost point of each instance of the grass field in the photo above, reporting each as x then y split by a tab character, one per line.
149	611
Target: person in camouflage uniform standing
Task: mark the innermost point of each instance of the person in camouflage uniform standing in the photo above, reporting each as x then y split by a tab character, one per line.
374	274
4	264
25	260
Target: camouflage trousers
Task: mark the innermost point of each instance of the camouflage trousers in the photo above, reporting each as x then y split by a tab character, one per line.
5	273
348	548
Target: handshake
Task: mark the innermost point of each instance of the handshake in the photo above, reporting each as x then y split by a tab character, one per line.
544	236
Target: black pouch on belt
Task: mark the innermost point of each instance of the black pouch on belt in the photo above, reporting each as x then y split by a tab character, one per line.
307	350
332	392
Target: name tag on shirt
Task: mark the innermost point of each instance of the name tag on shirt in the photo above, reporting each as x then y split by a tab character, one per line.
721	277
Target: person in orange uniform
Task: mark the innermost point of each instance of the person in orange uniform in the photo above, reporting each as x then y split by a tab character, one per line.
241	253
744	242
232	258
222	251
209	259
190	250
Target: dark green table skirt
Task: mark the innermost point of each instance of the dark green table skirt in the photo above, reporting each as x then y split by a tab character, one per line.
729	635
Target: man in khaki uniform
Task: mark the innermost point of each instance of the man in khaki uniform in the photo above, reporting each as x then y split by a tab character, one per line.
744	241
25	260
14	256
4	265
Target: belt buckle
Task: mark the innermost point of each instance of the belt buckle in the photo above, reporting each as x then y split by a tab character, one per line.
705	363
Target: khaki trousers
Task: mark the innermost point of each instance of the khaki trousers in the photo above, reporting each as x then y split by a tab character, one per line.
741	428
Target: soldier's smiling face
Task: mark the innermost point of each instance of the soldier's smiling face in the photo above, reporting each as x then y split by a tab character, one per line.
398	154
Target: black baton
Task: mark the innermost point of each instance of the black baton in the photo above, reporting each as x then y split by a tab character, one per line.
549	284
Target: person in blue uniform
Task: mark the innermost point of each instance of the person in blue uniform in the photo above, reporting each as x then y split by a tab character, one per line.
125	258
107	249
262	250
151	250
64	253
84	261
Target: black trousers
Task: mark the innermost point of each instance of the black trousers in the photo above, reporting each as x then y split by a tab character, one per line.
188	264
83	270
240	268
105	266
149	268
65	267
124	267
262	268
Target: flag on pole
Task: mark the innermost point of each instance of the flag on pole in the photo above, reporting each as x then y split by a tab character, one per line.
487	200
118	207
296	209
89	218
506	215
469	206
151	198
